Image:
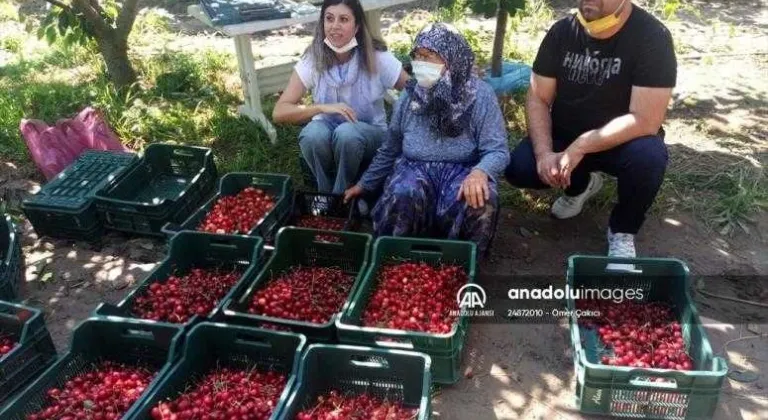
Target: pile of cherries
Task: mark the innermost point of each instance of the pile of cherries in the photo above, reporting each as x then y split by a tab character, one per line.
638	334
179	298
336	406
415	296
238	214
309	294
226	393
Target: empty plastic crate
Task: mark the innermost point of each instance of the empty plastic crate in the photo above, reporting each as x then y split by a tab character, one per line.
167	185
65	207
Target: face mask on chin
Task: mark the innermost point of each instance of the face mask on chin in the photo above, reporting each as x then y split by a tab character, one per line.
345	48
600	25
426	73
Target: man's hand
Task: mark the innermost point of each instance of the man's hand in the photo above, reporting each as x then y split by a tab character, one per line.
567	163
475	189
352	192
548	168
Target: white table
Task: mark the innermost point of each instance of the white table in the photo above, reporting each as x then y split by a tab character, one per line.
249	74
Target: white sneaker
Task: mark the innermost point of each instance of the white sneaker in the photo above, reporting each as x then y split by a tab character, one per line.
566	207
621	245
320	205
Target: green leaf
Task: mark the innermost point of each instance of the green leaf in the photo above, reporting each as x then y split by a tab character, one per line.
47	276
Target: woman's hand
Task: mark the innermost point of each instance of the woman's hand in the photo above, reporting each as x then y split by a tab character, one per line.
475	189
342	109
352	192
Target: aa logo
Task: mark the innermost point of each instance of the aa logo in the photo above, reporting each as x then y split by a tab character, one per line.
471	296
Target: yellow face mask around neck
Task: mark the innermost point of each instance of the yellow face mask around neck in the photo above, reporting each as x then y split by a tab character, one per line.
602	24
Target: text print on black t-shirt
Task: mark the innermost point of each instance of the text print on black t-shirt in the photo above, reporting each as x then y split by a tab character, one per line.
595	77
589	68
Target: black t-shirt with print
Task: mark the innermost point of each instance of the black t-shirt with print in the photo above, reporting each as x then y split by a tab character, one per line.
595	77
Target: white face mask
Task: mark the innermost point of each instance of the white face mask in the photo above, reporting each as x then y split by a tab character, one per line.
340	50
427	74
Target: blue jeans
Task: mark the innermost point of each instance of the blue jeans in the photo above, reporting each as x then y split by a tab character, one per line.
638	166
340	150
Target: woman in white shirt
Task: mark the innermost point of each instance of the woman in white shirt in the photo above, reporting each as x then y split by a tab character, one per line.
348	72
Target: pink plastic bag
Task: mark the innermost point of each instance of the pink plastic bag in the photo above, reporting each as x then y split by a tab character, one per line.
54	148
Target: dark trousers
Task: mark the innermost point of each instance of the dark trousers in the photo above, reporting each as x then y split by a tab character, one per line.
638	166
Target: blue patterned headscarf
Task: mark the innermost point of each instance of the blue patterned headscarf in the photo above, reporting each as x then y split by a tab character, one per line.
448	103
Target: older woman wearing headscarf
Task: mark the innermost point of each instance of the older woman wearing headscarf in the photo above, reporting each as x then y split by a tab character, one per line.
446	145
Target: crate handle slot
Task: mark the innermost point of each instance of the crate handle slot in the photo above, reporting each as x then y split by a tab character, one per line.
249	340
395	344
368	362
138	333
426	249
316	239
627	268
222	245
182	152
256	180
649	381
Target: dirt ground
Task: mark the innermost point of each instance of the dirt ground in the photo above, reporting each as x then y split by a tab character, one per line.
526	371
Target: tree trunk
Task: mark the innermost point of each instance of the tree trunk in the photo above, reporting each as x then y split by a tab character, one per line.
119	68
498	39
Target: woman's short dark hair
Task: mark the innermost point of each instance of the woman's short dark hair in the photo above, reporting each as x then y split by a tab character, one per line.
367	43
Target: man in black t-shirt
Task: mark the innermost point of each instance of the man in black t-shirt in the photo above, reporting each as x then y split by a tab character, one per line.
600	86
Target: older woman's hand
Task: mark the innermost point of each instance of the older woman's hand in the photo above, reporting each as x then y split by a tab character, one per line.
352	192
475	189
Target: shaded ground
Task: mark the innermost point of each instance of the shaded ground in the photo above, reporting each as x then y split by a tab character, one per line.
526	371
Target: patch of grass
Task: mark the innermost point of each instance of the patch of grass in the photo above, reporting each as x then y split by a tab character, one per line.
11	43
725	197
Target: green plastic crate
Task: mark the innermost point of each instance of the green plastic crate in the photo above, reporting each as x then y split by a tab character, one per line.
64	207
300	247
167	185
96	340
34	350
629	391
392	374
431	251
211	345
11	260
190	250
280	186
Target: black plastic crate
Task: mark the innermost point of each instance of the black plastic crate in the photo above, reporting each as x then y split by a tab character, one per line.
34	350
211	345
11	260
167	185
64	207
96	340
